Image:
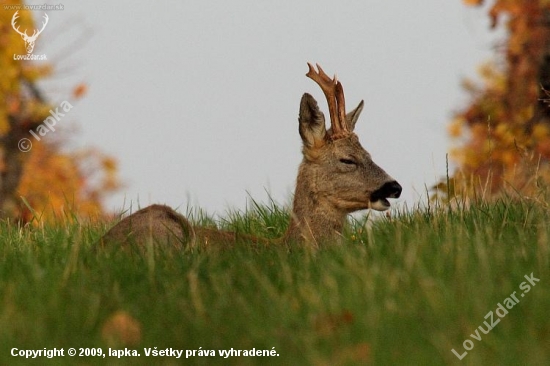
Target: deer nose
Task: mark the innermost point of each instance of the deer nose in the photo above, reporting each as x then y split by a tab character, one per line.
390	190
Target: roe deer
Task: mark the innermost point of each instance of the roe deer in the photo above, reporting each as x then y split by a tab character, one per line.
336	177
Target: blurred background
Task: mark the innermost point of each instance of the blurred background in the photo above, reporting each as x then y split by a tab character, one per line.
196	104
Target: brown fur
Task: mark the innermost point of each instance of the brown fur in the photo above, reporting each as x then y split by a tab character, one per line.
328	189
336	177
160	224
157	224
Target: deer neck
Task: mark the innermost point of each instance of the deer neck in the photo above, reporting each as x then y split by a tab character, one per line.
313	219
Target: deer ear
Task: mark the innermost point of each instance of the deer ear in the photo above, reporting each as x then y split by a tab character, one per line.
353	116
312	122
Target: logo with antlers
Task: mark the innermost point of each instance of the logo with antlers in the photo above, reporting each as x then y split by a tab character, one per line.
29	40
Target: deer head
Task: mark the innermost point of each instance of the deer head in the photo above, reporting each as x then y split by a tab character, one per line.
29	40
337	175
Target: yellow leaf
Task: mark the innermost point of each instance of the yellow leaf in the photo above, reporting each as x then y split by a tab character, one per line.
80	90
473	2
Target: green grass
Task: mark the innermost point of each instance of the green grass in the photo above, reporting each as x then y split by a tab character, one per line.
401	291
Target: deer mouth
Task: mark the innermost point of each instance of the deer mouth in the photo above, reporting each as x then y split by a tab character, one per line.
379	198
381	204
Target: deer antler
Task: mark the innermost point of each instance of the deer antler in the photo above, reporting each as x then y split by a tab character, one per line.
13	19
334	93
24	34
43	26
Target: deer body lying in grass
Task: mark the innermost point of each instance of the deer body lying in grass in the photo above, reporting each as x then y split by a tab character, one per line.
336	177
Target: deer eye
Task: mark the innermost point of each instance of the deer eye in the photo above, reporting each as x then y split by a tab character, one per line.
348	162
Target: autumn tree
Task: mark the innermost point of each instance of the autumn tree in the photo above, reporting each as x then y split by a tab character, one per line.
38	178
503	134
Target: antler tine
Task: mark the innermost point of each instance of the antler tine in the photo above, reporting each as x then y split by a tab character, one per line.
334	94
322	73
16	28
46	18
327	86
341	104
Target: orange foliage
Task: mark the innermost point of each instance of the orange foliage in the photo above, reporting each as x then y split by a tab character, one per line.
473	2
80	90
504	131
59	185
56	184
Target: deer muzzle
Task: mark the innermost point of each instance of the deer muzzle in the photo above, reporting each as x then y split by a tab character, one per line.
379	198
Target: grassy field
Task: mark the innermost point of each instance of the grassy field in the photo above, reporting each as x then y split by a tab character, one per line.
401	291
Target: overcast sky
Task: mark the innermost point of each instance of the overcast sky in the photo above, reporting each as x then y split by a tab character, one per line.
199	100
